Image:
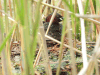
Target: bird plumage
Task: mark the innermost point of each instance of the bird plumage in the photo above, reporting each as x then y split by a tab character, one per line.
55	28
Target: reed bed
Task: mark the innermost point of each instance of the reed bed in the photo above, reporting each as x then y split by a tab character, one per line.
22	29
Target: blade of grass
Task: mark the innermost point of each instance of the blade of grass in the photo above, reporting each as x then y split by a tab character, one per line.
5	60
93	12
72	16
35	30
20	10
74	70
86	6
75	9
67	3
27	40
0	8
88	70
7	38
83	40
6	53
36	27
45	52
62	41
10	8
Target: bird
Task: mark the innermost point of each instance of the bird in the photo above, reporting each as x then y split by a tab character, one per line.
55	28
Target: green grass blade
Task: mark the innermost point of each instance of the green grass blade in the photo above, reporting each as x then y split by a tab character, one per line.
72	17
86	6
36	26
20	10
7	38
62	40
66	2
2	26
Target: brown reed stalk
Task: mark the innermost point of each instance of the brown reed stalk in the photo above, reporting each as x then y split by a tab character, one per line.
67	46
74	70
7	51
10	8
44	7
93	12
44	50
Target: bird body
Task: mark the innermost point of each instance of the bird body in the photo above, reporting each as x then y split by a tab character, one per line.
55	28
54	31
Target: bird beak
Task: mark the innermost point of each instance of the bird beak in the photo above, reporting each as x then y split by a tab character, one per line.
61	18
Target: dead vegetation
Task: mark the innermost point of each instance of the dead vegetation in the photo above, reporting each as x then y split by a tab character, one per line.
27	48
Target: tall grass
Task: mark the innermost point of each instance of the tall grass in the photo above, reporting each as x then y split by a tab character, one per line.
27	25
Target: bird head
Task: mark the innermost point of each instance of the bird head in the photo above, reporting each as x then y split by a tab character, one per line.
58	18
